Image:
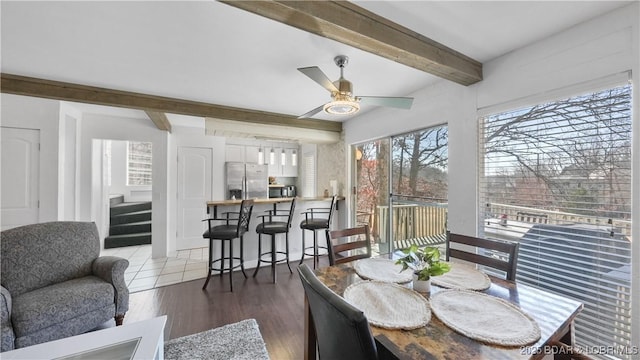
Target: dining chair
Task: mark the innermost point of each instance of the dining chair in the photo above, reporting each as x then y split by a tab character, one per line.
234	227
276	221
342	331
510	249
349	244
316	219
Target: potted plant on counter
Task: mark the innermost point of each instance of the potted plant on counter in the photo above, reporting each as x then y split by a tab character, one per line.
425	263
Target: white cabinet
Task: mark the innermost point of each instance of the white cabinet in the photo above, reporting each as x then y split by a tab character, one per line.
290	167
285	161
251	154
282	159
234	153
272	157
241	153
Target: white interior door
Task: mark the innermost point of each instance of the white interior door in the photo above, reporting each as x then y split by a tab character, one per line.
20	177
194	190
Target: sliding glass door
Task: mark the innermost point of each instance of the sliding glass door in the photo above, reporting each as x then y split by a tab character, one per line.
400	188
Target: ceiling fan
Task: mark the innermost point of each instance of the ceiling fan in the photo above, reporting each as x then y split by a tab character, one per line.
343	102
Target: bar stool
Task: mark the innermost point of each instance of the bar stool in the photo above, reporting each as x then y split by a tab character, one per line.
270	226
233	228
316	219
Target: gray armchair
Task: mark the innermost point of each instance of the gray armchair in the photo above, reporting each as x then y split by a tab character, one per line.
55	285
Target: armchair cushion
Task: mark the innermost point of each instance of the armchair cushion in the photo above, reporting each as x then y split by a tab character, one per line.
61	302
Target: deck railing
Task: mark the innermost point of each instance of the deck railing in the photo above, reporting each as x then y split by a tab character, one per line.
412	221
531	215
423	220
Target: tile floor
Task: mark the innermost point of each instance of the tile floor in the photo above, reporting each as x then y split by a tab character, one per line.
146	273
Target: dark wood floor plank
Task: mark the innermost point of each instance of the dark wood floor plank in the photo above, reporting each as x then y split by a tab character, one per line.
278	308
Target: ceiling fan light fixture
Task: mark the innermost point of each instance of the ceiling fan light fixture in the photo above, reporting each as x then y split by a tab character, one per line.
341	107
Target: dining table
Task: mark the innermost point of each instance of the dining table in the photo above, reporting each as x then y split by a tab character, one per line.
554	315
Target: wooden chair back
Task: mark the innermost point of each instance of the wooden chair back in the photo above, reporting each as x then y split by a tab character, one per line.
509	248
349	240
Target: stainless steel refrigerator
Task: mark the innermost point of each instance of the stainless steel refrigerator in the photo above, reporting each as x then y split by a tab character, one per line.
246	181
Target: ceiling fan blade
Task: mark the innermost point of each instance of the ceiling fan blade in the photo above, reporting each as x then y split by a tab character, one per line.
315	74
396	102
312	112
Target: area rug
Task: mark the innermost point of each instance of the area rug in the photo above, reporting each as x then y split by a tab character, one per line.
237	341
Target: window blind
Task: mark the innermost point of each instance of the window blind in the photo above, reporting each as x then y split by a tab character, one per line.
139	163
309	173
556	177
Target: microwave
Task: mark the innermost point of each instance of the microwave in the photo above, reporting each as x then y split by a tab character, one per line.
282	191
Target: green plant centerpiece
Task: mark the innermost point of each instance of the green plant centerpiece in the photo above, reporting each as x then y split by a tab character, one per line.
425	262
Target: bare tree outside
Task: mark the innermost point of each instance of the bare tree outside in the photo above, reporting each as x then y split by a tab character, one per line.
420	164
571	155
372	182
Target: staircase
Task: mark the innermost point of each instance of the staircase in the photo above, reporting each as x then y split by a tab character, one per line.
130	223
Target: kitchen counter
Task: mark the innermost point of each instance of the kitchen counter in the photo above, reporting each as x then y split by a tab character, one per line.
269	201
215	203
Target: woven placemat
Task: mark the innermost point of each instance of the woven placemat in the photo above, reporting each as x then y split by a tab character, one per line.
484	318
384	270
388	305
463	277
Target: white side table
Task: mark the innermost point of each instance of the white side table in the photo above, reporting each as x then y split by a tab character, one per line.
134	341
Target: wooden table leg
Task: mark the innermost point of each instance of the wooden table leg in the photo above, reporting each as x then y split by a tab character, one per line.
310	333
569	339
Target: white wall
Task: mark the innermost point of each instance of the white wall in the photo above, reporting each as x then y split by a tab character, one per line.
598	48
68	174
31	113
119	169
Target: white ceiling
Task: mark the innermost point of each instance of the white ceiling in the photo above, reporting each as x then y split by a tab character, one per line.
211	52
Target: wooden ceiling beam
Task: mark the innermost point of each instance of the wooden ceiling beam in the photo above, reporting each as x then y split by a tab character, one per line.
160	119
357	27
28	86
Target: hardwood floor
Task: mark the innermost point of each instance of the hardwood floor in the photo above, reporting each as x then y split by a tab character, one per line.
278	308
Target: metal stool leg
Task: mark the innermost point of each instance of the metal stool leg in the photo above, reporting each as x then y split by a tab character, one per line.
209	264
315	250
303	247
273	257
222	258
255	272
242	256
230	265
286	239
